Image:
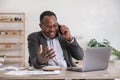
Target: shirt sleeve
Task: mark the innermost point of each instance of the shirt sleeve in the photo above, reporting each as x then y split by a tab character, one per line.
71	41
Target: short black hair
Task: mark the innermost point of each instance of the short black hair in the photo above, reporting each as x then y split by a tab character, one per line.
46	13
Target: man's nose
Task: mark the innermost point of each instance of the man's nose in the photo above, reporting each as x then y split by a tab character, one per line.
52	28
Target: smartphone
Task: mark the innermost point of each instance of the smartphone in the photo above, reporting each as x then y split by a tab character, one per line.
59	29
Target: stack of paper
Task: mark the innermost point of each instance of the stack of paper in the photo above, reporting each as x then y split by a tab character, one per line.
25	72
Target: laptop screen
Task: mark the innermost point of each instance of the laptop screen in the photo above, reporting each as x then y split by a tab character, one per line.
96	58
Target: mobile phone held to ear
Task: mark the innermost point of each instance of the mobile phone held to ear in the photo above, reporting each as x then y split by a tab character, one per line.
59	29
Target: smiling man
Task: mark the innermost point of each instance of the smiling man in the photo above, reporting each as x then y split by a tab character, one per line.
53	45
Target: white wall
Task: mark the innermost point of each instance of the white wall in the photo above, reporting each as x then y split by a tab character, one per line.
88	19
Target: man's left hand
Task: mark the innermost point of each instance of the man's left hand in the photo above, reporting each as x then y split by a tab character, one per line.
66	32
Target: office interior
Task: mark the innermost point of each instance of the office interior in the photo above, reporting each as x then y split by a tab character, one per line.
86	19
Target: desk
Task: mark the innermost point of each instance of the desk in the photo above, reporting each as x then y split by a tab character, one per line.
111	73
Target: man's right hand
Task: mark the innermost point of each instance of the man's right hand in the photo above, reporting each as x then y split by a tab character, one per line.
45	54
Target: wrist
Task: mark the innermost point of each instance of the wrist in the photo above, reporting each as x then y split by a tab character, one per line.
70	39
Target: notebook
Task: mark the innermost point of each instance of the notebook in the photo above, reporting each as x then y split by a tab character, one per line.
95	58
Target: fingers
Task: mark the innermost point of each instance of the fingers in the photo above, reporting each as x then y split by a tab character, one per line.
66	32
45	50
64	29
45	54
40	49
52	56
48	53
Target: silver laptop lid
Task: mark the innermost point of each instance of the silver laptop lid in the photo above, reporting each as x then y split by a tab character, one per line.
96	58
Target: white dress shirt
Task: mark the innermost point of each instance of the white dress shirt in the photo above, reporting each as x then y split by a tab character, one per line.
59	59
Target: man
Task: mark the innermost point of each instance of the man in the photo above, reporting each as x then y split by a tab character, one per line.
53	45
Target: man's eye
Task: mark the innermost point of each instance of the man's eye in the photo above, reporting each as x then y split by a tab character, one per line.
47	26
54	26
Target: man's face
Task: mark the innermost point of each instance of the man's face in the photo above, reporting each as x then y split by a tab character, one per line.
49	26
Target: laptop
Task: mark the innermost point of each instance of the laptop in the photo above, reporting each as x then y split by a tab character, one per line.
95	58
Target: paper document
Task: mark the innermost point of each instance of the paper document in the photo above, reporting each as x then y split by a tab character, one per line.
13	68
25	72
9	68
